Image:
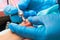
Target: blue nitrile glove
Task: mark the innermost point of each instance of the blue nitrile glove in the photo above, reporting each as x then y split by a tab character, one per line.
50	29
52	9
13	13
35	5
29	13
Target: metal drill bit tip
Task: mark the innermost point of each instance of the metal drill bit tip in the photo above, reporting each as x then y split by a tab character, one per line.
21	15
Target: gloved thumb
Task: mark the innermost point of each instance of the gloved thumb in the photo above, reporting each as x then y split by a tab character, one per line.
35	20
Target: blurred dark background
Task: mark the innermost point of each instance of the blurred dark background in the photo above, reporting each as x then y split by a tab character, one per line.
3	22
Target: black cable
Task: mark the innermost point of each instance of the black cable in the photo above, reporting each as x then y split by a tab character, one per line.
7	2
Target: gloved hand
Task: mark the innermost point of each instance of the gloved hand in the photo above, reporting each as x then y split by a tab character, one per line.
29	8
13	13
35	6
50	10
50	29
39	30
